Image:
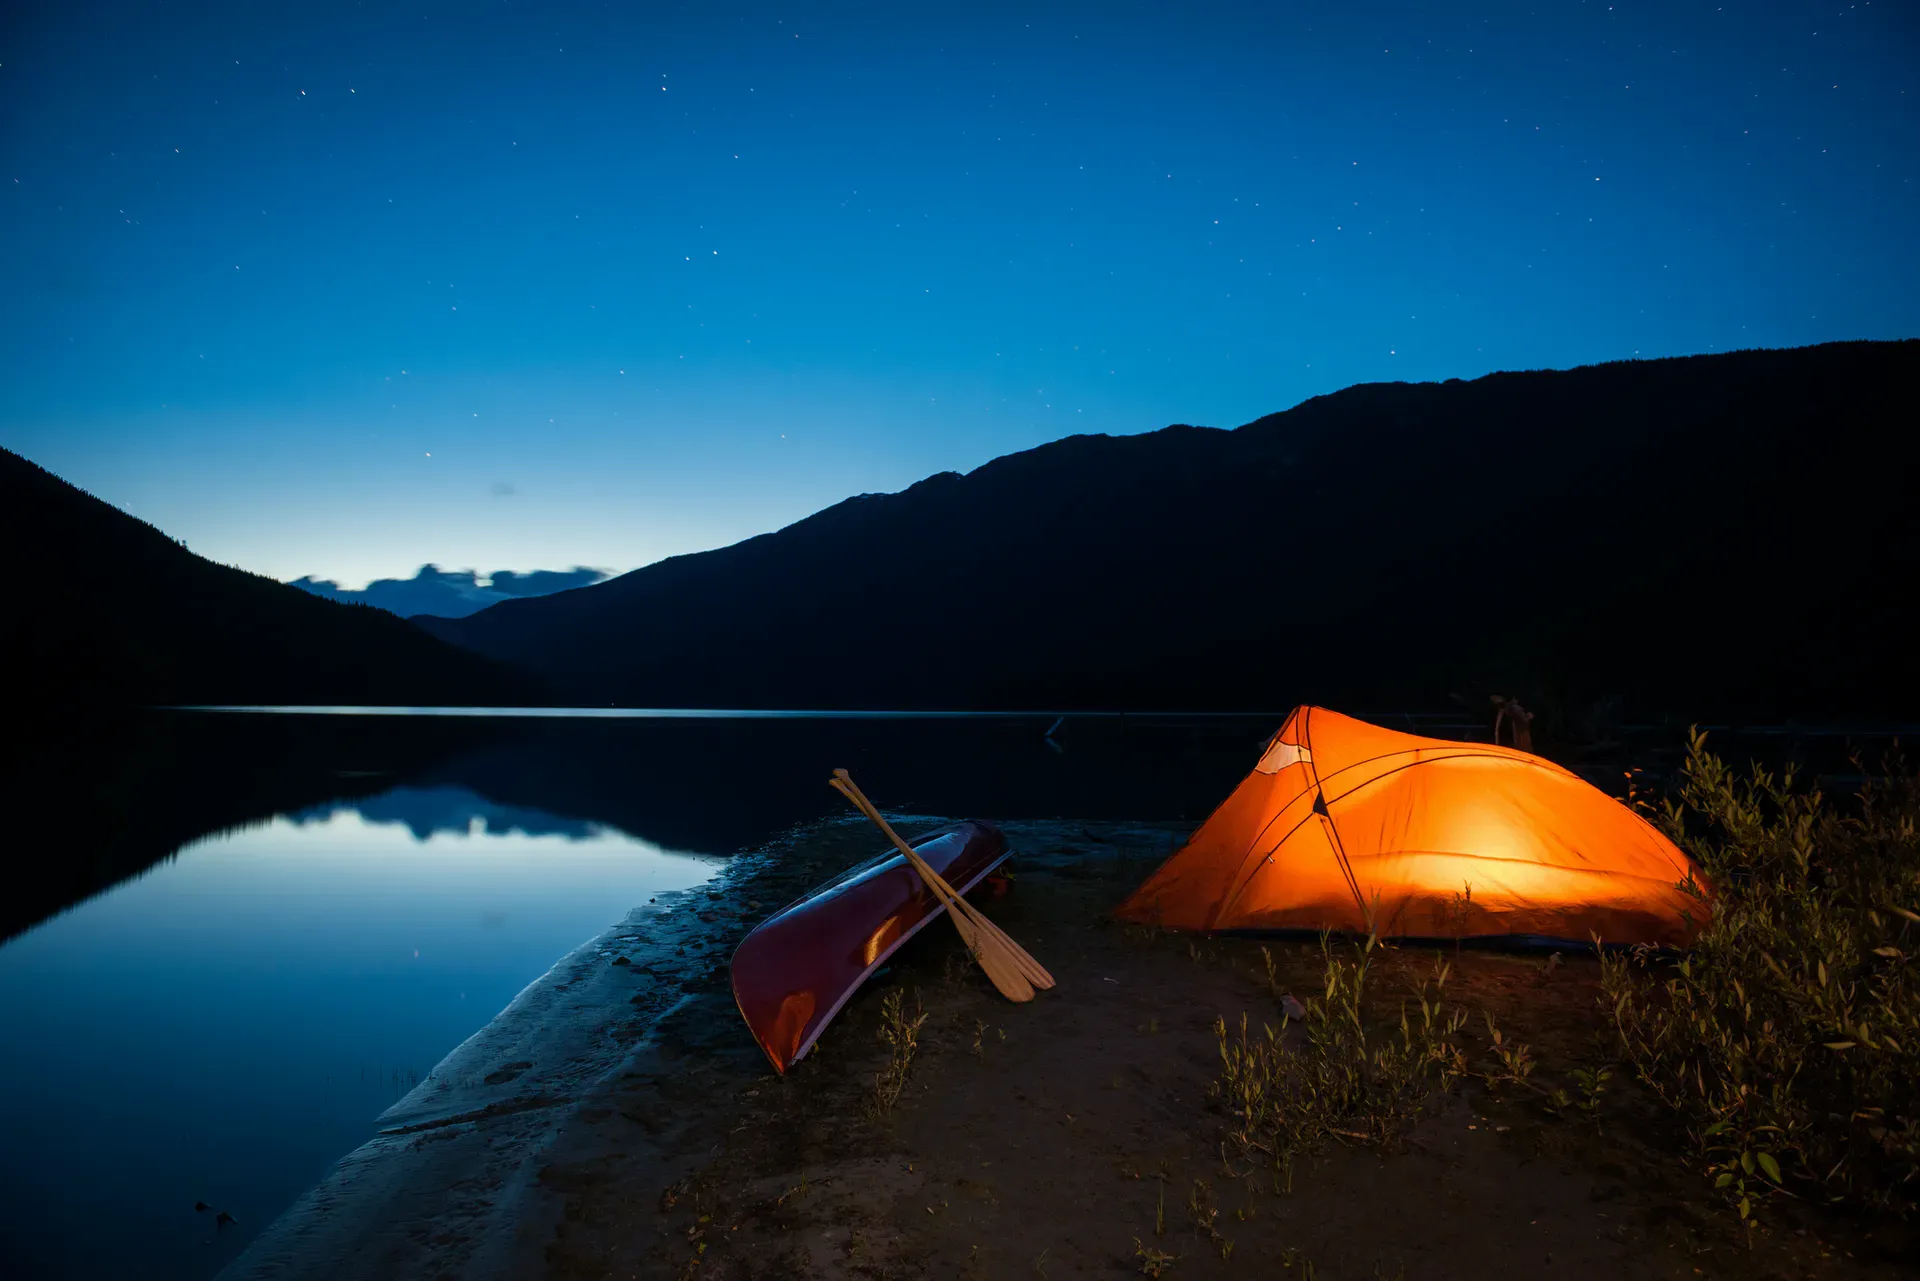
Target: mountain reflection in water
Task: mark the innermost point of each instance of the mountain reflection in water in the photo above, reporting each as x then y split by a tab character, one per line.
453	811
225	1026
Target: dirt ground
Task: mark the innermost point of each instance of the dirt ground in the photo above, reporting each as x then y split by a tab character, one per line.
1073	1137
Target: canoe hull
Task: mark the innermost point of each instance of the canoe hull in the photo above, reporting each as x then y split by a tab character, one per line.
795	970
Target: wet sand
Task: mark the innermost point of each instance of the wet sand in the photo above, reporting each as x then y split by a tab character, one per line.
440	1190
619	1122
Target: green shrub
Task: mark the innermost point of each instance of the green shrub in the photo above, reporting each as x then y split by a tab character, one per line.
1787	1041
1349	1079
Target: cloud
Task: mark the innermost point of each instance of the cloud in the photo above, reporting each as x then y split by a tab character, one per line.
545	582
453	593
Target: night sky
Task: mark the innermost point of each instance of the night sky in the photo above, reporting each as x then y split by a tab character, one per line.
338	290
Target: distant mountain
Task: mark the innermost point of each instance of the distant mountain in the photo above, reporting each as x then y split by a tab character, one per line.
1726	535
104	609
449	593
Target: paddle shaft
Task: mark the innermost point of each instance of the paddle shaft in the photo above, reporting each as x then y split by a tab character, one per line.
1031	969
989	951
945	893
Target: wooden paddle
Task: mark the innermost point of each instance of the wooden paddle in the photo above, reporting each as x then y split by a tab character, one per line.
987	944
1035	972
1000	968
1013	971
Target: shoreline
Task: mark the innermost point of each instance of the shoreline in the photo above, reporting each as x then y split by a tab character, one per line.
606	1128
443	1185
437	1186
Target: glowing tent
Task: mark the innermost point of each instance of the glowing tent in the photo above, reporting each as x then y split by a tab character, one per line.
1343	824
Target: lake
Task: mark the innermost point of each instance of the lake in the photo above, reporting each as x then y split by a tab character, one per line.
239	938
234	939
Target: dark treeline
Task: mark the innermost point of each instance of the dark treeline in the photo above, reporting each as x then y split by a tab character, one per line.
105	610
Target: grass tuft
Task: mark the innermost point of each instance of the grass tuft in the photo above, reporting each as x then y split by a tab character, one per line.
1350	1078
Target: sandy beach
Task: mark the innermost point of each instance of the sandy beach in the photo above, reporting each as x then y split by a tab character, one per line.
617	1120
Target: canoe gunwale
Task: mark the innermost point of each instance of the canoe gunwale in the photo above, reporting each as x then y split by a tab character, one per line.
881	863
939	910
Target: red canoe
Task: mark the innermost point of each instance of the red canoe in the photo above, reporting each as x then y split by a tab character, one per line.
794	970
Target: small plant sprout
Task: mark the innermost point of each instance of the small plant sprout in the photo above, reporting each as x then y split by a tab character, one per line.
1153	1263
1460	914
901	1032
1197	1201
1206	1217
1592	1083
1513	1062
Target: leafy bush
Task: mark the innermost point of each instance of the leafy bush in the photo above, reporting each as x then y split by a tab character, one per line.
1346	1080
1788	1041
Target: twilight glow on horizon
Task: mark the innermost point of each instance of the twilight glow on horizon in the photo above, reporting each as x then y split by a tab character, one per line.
343	290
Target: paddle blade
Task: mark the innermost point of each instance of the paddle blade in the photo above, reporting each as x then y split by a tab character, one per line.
1002	973
1034	972
992	959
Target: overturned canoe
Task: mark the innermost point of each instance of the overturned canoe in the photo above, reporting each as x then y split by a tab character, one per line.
794	970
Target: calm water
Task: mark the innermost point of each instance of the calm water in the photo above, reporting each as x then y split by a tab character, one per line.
239	939
224	1027
233	940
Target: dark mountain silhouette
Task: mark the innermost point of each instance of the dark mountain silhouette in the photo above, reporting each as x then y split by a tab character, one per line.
1726	535
451	593
167	626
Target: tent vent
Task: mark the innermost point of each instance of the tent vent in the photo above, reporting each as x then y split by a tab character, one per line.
1281	755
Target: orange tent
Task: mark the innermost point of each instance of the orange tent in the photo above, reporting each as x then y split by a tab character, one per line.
1343	825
